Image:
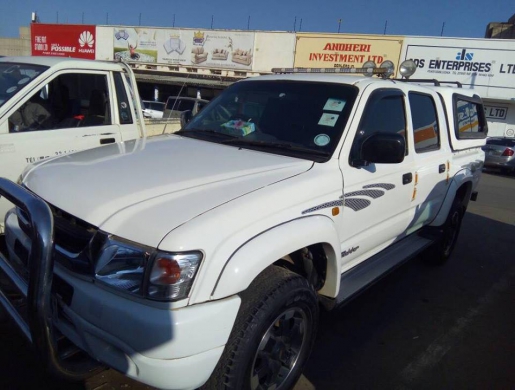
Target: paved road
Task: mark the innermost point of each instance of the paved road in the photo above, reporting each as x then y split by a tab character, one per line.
422	327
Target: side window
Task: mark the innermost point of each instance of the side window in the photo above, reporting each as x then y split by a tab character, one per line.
470	119
384	113
122	100
69	100
426	134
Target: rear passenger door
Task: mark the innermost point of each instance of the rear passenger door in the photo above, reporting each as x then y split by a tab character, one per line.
431	173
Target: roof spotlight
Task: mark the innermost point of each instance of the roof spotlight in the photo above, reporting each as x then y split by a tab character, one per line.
390	68
407	68
369	68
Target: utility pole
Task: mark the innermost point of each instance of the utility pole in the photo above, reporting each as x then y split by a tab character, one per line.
443	26
212	17
385	25
295	24
300	27
248	23
339	24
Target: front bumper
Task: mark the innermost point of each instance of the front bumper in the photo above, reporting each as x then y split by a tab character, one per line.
147	341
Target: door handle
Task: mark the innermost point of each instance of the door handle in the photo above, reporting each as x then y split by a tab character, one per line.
105	141
407	178
441	168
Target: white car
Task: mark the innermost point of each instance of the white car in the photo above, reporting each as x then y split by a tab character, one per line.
204	257
51	106
152	109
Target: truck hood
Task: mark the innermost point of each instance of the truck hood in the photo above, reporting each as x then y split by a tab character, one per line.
143	189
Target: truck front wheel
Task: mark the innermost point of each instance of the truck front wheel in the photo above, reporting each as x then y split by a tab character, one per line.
273	334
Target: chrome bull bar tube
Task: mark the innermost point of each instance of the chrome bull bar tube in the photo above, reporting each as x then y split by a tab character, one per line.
39	328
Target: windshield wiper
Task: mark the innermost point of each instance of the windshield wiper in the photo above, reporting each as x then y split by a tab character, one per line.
276	145
205	131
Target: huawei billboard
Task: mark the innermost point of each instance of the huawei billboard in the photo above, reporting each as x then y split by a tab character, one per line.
63	40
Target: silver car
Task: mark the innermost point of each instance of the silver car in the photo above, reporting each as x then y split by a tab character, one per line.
500	153
153	109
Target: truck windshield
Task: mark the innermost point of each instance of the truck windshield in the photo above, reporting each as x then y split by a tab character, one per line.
15	76
296	118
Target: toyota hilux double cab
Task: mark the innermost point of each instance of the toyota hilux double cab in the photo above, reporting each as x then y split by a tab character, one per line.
202	258
50	106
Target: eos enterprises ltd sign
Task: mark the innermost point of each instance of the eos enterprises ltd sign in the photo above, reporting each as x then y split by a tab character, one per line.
489	69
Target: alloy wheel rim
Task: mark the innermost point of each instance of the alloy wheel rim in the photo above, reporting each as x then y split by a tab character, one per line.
279	350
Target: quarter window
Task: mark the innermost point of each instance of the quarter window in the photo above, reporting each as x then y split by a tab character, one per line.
426	135
123	100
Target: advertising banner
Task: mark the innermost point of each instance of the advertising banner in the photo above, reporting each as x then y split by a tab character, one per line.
63	40
486	65
345	51
212	48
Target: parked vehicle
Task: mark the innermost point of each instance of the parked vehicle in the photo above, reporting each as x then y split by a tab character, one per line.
176	105
203	258
52	106
153	109
500	154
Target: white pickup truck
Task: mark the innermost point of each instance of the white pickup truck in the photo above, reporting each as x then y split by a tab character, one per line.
53	106
202	258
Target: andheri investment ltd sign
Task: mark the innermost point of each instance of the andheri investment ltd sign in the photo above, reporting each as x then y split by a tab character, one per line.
63	40
345	50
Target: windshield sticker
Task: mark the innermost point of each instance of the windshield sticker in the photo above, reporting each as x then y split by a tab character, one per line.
11	90
239	127
328	119
322	140
334	105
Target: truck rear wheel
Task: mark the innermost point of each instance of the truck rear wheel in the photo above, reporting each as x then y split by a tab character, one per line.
442	249
273	334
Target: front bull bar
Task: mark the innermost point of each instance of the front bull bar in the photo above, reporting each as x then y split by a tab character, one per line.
39	328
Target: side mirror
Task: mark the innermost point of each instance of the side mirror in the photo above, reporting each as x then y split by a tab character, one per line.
185	118
382	148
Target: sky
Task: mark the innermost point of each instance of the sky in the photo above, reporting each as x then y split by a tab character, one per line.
457	18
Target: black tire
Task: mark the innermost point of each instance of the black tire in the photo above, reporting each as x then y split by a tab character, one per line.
3	315
272	336
442	249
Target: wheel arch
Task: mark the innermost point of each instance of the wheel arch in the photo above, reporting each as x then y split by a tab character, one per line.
462	190
274	246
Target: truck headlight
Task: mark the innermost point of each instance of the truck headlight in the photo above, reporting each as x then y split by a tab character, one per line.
172	275
122	265
145	271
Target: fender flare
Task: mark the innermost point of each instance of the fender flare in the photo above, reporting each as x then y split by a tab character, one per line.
262	250
452	191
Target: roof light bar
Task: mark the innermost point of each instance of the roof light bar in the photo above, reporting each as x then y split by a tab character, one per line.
366	71
369	69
